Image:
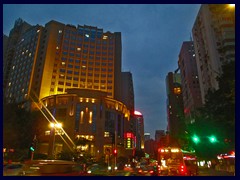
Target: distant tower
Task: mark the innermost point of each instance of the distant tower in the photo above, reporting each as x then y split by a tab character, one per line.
175	109
189	79
146	136
159	134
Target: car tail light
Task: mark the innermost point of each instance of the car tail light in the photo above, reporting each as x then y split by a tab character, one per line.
182	169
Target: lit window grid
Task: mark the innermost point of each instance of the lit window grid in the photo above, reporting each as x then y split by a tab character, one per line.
69	66
23	62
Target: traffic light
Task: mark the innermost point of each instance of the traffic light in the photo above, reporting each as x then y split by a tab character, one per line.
195	139
115	152
32	148
212	139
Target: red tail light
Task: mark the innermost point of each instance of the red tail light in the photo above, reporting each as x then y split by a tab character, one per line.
182	168
151	172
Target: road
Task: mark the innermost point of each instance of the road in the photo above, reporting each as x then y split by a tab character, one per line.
213	172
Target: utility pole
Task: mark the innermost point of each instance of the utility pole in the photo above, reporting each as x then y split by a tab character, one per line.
115	160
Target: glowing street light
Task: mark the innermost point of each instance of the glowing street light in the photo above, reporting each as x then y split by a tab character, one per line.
54	127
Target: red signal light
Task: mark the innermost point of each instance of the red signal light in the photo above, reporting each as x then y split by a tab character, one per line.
115	151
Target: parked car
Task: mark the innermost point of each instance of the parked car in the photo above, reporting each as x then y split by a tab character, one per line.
12	169
148	171
96	170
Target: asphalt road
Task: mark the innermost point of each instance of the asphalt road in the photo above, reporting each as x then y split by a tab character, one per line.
213	172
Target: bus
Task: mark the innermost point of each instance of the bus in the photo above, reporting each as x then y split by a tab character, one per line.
171	163
175	161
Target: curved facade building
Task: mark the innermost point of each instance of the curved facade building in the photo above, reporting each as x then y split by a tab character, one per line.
83	114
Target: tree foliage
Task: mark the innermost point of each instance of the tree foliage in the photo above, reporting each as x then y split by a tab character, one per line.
217	116
19	126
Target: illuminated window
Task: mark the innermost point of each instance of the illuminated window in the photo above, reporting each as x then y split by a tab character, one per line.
81	117
105	37
47	133
106	134
90	117
177	90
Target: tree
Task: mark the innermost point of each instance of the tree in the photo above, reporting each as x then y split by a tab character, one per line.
220	103
217	116
19	128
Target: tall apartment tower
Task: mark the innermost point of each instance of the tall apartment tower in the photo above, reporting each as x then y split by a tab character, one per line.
15	36
214	42
175	112
189	79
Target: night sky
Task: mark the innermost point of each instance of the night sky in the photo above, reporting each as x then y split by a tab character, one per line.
152	35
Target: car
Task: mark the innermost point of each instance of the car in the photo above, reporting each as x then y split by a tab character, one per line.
191	167
148	171
96	170
13	169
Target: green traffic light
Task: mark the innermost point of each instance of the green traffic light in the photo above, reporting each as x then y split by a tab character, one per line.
32	149
195	139
212	139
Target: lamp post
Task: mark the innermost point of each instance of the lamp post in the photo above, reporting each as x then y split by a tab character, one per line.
51	148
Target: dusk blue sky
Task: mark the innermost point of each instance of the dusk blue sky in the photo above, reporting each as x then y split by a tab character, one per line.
152	35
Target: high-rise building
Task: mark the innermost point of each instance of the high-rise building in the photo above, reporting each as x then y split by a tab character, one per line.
146	136
15	37
214	43
5	44
73	74
137	127
72	57
160	139
159	134
175	110
127	90
189	79
149	148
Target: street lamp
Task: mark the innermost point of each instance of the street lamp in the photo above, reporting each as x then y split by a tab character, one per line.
53	126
